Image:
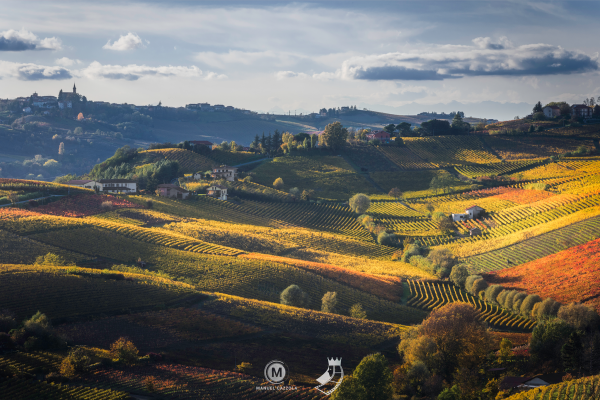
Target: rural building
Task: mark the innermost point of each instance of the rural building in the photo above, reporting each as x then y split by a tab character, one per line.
201	143
198	175
526	383
470	213
382	136
121	186
224	172
171	190
551	111
219	107
581	110
475	232
217	191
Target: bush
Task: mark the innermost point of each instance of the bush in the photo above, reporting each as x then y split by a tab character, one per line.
492	292
413	249
478	286
459	275
106	205
278	183
294	296
50	259
357	311
149	203
528	303
359	203
547	308
422	263
124	351
578	316
295	192
78	360
441	258
329	302
469	282
386	239
517	300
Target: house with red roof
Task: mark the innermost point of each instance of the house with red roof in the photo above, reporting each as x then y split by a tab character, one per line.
551	111
581	110
382	136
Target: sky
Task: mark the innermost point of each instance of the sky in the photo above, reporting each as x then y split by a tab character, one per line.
490	58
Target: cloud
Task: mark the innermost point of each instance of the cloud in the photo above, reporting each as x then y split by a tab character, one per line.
22	40
270	58
289	74
485	58
33	72
134	72
213	75
131	41
66	62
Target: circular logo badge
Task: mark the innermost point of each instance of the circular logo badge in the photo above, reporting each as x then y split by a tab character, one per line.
276	372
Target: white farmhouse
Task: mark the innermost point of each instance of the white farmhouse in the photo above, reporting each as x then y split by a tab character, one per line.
217	191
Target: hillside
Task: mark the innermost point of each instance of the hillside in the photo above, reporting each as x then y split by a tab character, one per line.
197	284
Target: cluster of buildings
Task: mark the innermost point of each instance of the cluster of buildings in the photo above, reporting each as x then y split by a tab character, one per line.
578	110
127	186
206	107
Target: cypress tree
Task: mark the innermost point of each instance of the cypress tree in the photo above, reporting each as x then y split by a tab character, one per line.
572	352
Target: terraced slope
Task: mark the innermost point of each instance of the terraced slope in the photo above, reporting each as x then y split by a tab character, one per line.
536	247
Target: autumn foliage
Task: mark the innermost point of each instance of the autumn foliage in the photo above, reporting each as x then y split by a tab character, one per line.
83	205
387	287
571	275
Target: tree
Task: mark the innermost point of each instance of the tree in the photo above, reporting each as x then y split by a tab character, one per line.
459	275
395	193
13	197
295	192
329	302
78	130
442	259
294	296
458	125
390	128
359	203
479	285
492	292
505	350
334	136
460	337
548	307
403	129
436	127
278	183
538	107
124	350
548	338
386	238
528	304
374	378
571	353
61	149
357	311
579	316
80	117
446	226
349	390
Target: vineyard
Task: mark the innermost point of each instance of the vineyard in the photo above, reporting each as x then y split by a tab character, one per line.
571	275
189	162
414	181
451	150
369	158
432	295
526	147
502	168
19	388
404	158
234	158
59	294
329	176
578	389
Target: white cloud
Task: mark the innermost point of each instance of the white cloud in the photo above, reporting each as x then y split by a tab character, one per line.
213	75
486	58
222	60
12	40
66	62
32	72
131	41
134	72
289	74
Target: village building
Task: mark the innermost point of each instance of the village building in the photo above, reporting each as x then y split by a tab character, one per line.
551	111
472	212
201	143
83	183
171	190
382	136
118	186
581	110
224	172
217	191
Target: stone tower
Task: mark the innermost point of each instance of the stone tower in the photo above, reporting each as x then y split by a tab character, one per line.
74	88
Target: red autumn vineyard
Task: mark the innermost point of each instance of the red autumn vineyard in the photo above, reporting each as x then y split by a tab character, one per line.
571	275
84	205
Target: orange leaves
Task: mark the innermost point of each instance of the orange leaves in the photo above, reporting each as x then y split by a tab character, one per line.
568	276
83	205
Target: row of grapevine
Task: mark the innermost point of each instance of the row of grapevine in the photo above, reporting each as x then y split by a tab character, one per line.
451	150
404	158
536	247
392	209
433	295
189	162
164	238
19	388
473	171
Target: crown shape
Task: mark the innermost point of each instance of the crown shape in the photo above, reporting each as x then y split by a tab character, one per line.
335	361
